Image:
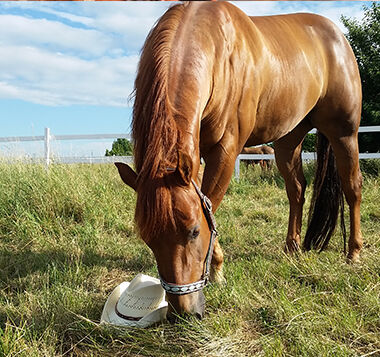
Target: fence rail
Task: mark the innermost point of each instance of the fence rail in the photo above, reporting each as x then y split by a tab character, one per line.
306	156
48	158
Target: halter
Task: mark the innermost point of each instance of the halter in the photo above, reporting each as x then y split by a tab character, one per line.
200	284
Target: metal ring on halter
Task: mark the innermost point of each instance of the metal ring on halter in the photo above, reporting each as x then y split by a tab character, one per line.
183	289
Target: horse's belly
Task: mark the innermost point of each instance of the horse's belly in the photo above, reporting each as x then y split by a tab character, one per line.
266	135
279	113
274	125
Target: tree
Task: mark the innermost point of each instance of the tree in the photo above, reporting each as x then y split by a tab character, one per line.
309	143
364	37
120	147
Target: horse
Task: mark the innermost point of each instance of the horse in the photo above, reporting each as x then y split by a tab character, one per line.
209	88
263	149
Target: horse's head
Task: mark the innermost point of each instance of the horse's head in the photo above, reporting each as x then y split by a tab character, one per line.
175	220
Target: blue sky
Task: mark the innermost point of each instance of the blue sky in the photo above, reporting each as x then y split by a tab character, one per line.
71	66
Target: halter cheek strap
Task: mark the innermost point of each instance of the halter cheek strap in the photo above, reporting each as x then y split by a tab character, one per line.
178	289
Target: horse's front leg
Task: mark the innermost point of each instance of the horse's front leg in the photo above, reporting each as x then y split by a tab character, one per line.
220	162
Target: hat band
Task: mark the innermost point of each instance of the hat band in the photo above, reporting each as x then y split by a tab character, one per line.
125	317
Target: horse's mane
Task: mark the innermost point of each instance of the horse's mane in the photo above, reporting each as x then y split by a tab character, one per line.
154	129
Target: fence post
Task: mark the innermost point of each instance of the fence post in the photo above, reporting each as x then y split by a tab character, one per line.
237	168
47	147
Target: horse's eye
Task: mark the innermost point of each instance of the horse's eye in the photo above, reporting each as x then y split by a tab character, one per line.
194	233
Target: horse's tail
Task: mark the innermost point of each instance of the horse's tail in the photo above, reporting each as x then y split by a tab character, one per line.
327	201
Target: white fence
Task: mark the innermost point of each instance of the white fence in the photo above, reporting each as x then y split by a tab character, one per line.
306	156
47	159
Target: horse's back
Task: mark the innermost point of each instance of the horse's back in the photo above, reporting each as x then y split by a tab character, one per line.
321	44
308	64
294	62
329	54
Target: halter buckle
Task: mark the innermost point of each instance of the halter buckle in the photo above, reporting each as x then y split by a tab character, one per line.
207	203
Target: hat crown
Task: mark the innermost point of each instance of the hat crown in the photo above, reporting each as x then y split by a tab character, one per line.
143	295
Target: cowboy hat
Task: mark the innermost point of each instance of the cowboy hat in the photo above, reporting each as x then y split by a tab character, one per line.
139	303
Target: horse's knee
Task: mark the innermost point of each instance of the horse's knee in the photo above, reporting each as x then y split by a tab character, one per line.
296	191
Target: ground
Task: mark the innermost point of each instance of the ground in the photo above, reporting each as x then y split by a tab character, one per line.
67	238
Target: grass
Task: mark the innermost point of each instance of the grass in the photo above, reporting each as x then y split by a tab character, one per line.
67	238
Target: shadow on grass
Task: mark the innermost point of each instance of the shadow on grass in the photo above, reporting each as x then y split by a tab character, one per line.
15	265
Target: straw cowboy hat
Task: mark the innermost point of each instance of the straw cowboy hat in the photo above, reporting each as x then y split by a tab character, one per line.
139	303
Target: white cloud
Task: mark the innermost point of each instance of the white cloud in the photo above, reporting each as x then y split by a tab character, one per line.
49	78
255	8
59	9
131	31
19	30
129	22
62	53
87	21
55	62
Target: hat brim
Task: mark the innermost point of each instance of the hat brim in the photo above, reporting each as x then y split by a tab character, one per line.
109	315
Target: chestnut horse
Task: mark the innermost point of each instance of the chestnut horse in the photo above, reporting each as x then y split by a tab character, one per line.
263	149
212	80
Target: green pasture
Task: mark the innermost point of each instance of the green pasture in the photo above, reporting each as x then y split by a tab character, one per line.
67	238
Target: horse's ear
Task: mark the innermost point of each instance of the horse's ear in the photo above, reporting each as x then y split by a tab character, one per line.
185	167
127	174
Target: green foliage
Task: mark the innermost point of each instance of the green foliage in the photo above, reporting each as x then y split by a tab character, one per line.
364	37
370	167
309	144
120	147
67	238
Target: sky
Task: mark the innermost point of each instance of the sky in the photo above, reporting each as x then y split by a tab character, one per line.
70	66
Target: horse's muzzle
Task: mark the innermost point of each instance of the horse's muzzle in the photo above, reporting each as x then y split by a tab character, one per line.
182	306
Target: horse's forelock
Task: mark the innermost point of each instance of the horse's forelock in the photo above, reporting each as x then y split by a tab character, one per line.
154	209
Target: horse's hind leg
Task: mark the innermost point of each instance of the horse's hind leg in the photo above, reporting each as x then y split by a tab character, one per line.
346	151
289	162
263	164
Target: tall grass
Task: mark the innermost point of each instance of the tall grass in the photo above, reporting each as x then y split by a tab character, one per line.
67	238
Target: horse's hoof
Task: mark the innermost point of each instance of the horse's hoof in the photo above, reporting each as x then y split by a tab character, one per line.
292	247
353	258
